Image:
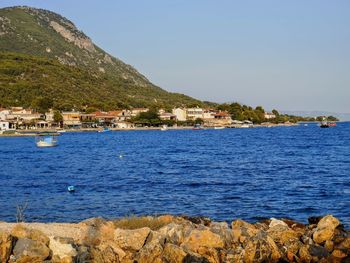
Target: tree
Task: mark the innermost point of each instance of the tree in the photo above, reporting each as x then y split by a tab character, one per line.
57	117
275	112
150	117
332	118
42	104
198	121
260	109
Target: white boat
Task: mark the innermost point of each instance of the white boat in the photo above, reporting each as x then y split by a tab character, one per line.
164	128
104	130
219	127
46	141
61	131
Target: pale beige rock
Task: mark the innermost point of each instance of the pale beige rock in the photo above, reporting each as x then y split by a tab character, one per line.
61	250
82	42
325	229
131	239
27	249
328	221
282	234
322	235
75	231
206	238
275	222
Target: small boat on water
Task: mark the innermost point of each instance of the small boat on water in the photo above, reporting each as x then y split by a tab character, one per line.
324	124
219	127
46	140
164	128
197	127
61	131
104	130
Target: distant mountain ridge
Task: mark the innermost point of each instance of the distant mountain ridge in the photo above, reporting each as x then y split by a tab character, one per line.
42	33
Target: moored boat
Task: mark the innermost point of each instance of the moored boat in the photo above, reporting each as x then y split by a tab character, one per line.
324	124
197	127
104	130
46	140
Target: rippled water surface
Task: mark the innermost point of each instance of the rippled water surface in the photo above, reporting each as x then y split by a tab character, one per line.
256	173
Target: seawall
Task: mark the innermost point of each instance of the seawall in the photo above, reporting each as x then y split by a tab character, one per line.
175	239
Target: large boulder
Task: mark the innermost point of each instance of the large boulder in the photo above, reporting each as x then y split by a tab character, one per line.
283	235
62	249
153	248
213	255
150	254
260	248
96	230
20	231
325	229
222	229
6	245
202	238
175	233
276	222
32	250
242	230
287	239
131	239
173	253
104	256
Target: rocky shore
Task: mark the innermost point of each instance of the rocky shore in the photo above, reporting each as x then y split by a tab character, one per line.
175	239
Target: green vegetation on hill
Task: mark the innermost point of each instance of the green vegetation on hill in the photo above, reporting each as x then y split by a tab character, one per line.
38	82
45	59
257	115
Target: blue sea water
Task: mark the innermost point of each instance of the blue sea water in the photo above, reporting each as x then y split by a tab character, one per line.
293	172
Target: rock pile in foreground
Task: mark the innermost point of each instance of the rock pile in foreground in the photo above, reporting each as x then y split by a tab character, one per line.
176	239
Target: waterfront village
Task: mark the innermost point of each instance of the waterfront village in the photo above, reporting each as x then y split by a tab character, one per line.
19	118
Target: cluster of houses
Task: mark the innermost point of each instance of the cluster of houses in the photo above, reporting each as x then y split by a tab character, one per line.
21	118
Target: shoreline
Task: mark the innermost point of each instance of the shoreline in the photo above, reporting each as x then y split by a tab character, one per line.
35	132
170	238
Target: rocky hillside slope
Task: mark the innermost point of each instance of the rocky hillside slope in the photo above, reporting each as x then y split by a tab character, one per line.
176	239
45	34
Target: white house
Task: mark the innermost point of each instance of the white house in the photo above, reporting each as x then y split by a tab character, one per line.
194	113
269	115
4	125
3	114
181	114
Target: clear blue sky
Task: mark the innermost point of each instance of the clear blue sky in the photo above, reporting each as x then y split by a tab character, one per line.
290	55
